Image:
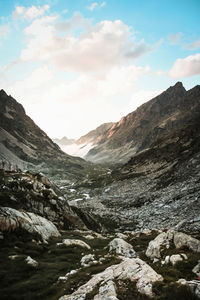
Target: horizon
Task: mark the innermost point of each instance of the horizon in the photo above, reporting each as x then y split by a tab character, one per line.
75	66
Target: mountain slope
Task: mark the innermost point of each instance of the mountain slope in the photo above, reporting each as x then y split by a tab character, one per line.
140	129
24	144
82	146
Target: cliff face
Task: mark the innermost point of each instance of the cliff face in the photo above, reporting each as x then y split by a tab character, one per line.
24	144
166	113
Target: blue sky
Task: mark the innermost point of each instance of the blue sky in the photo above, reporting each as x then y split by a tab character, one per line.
77	64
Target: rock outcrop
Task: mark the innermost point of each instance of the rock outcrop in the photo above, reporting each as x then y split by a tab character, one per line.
133	269
35	193
183	240
12	219
121	247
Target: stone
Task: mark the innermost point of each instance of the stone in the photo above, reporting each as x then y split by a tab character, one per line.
182	281
121	247
184	240
87	260
31	262
195	287
13	257
12	219
196	269
71	242
107	291
133	269
121	235
176	258
154	247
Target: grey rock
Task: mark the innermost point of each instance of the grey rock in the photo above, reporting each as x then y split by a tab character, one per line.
121	247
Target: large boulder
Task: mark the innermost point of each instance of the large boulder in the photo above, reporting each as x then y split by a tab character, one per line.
184	240
133	269
154	247
12	219
121	247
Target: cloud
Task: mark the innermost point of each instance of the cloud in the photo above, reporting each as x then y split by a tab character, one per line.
96	5
85	100
76	22
107	44
37	79
176	38
186	67
4	31
194	45
29	12
92	6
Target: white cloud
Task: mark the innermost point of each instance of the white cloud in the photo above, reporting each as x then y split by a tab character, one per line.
96	5
176	38
77	21
4	31
142	96
25	89
29	12
92	6
105	45
194	45
77	105
186	67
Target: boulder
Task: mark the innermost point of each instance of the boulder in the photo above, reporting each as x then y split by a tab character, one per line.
196	269
31	262
12	219
71	242
88	260
133	269
184	240
119	246
173	259
154	247
107	291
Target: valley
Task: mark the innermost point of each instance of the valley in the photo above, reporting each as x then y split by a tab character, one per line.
121	223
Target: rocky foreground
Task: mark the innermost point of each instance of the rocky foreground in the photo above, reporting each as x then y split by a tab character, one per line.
47	251
79	265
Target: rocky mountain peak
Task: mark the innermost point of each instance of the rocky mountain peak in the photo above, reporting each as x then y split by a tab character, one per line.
9	105
177	89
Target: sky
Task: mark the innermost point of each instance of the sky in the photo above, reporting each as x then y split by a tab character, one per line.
74	65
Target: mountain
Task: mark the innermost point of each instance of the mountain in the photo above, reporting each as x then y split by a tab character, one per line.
159	186
83	145
64	141
137	131
24	145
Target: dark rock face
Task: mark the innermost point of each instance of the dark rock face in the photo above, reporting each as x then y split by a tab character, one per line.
25	145
24	191
172	110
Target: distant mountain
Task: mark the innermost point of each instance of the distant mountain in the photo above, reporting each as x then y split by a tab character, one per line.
24	145
137	131
64	141
83	145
